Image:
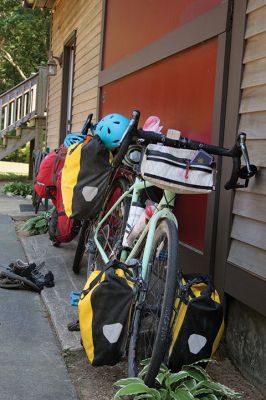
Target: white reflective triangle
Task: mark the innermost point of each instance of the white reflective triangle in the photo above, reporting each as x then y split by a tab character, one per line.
112	332
89	192
196	343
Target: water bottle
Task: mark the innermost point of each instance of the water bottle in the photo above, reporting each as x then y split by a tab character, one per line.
140	224
134	215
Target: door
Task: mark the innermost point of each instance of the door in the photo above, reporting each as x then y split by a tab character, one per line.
171	62
67	85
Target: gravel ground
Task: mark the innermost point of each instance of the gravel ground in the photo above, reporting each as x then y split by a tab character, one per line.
97	383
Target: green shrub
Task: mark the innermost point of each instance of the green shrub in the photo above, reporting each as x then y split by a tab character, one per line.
18	188
20	155
12	176
192	382
39	224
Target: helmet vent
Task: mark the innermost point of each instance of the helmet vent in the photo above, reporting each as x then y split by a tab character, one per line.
116	122
116	141
109	131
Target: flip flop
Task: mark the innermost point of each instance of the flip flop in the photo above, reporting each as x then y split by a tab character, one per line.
7	283
26	282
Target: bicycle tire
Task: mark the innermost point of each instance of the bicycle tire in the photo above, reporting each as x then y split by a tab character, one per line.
94	261
165	304
80	250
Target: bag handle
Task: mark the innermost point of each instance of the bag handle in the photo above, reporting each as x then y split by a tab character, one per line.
193	279
111	264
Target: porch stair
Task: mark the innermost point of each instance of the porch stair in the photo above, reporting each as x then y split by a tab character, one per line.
23	114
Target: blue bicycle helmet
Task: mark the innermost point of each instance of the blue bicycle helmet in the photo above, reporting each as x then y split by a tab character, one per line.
73	138
111	129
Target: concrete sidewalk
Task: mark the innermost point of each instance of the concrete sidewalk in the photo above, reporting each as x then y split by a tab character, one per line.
32	367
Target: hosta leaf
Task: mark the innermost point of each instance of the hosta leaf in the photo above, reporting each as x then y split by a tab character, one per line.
41	223
196	391
202	370
127	381
178	376
145	362
155	394
160	377
190	384
194	373
183	394
133	388
220	389
143	372
143	396
164	394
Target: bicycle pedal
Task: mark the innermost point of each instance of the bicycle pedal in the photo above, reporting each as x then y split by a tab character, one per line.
74	298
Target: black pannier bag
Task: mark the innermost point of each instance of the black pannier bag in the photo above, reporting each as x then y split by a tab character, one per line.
104	310
85	178
197	324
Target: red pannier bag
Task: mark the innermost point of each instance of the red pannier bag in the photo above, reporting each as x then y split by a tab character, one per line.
51	166
61	228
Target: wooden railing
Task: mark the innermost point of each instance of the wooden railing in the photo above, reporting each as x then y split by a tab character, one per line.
23	102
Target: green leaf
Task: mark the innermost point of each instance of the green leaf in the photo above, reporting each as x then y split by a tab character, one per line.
194	373
220	389
155	393
143	396
178	376
144	371
196	391
146	361
164	394
127	381
133	388
160	378
41	223
190	384
183	394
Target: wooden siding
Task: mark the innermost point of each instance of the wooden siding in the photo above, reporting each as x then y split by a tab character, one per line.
248	246
84	16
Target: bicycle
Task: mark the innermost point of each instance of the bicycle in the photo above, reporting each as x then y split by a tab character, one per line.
154	257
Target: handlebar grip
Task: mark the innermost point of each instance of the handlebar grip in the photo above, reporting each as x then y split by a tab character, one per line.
150	136
127	139
87	124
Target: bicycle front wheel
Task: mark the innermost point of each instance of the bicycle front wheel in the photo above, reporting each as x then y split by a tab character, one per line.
150	332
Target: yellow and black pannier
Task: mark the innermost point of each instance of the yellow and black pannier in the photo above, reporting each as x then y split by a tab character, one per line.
104	309
85	178
197	324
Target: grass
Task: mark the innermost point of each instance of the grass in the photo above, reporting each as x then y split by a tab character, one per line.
12	176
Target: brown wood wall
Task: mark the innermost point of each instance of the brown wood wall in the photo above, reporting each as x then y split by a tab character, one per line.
84	16
248	247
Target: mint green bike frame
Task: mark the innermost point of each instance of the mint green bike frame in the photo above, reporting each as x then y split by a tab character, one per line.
163	211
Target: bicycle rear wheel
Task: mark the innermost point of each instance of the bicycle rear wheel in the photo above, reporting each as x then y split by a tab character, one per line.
80	250
150	331
112	231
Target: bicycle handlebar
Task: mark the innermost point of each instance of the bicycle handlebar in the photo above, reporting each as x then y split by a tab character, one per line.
127	138
87	125
236	152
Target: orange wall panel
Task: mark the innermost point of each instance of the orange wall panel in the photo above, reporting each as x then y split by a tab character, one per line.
131	25
180	90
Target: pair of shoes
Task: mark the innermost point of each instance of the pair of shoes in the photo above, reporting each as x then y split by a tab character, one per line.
73	326
31	271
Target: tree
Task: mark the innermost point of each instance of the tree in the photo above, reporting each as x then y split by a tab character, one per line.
24	41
